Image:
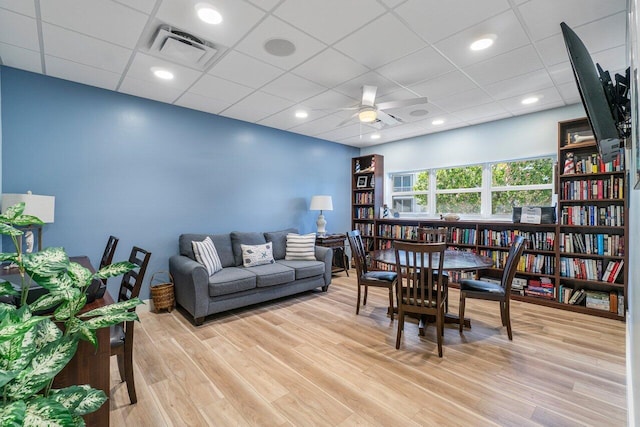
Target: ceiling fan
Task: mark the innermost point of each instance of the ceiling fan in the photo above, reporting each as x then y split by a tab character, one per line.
371	113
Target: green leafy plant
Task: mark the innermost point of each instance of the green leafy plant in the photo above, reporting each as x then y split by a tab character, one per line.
35	348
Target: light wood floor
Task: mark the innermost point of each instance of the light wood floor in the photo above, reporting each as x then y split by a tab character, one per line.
309	360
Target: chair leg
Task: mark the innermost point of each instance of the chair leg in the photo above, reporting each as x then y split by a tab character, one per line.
502	316
358	305
507	315
400	327
366	292
461	311
128	371
391	301
440	330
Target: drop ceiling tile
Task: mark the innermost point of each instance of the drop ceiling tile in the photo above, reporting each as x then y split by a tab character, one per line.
319	126
479	112
96	18
202	103
546	96
491	118
329	102
392	3
444	86
543	17
345	132
329	20
424	64
220	89
140	69
20	6
380	42
238	18
561	73
353	88
18	57
68	70
293	88
256	107
273	28
463	100
519	85
449	120
18	30
342	68
611	59
508	65
435	20
83	49
240	68
287	119
148	89
145	6
505	26
569	93
265	4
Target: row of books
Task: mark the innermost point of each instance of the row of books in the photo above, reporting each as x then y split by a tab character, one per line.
528	263
600	244
538	240
462	236
590	269
593	189
364	213
365	229
612	301
406	232
592	163
609	216
364	198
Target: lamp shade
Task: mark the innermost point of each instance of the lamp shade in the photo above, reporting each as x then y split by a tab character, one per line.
321	203
42	207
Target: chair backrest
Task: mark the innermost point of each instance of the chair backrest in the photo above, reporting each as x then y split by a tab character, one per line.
509	272
357	251
132	280
432	235
109	250
419	287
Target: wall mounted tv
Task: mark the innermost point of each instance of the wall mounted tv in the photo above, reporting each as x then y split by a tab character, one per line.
594	98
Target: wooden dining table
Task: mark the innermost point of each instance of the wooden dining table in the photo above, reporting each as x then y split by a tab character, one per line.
454	260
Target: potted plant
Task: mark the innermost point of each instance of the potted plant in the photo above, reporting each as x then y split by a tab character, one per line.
35	348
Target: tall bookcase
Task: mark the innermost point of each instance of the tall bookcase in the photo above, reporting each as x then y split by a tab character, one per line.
367	180
593	219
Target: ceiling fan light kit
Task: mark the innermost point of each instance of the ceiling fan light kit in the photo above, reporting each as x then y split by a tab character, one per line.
367	115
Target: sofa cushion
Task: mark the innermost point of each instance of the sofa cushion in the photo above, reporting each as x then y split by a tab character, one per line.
272	274
222	242
305	269
240	238
254	255
279	240
301	247
230	280
206	254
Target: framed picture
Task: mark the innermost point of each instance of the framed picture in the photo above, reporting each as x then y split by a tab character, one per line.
361	182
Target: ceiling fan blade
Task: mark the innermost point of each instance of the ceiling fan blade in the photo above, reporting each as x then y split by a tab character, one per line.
369	95
402	103
344	122
387	119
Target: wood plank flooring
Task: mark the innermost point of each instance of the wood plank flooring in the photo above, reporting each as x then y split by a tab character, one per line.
309	360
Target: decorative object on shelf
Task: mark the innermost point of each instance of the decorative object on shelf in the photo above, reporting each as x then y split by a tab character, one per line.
357	166
385	212
450	217
569	164
544	214
322	203
362	182
42	207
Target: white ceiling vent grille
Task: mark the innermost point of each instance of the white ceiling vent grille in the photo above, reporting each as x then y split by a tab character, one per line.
182	47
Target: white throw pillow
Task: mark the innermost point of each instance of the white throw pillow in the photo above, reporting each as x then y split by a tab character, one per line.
253	255
301	247
206	254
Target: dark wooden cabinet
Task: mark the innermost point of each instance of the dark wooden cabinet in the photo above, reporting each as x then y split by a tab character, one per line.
336	242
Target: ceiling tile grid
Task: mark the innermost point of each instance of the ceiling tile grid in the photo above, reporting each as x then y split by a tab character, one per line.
405	48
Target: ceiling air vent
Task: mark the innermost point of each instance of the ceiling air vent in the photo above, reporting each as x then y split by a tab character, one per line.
182	47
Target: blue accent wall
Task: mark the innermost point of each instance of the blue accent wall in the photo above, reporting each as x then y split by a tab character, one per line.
147	172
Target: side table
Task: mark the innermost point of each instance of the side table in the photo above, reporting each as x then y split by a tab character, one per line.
335	242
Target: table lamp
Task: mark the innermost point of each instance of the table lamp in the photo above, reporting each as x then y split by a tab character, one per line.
42	207
321	203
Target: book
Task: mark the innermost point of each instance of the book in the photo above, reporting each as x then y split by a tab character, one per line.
576	295
616	271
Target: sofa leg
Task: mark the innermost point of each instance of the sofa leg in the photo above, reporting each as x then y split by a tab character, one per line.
325	288
198	321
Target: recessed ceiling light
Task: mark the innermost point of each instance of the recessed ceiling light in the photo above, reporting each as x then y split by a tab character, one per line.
437	122
483	42
302	114
208	14
375	136
530	100
161	73
419	113
279	47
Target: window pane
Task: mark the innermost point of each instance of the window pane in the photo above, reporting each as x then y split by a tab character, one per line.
402	183
460	203
464	177
403	204
422	182
527	172
502	202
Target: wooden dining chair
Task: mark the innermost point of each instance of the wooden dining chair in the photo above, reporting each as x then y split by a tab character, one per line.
481	289
366	278
107	255
122	333
420	284
436	235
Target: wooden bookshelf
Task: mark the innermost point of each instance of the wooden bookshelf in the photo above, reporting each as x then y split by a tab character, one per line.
367	180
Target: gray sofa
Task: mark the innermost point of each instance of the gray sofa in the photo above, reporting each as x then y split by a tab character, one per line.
236	286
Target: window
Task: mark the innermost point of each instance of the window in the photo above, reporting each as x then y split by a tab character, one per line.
490	189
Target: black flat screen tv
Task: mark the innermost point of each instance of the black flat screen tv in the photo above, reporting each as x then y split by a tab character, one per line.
593	96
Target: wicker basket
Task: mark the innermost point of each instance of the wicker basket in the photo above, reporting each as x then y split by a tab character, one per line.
162	293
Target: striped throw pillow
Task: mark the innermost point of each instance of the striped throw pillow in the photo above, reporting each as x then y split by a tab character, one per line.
207	255
301	247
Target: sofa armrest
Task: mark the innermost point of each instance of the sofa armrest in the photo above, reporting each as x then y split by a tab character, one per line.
325	255
191	285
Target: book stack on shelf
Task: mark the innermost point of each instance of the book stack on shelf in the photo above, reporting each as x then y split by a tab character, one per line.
518	285
542	288
597	300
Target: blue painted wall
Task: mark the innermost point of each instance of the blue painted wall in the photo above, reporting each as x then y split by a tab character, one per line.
146	171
